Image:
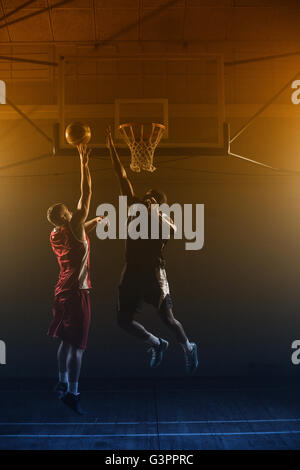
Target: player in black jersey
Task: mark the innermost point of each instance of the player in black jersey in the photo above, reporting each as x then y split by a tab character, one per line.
144	277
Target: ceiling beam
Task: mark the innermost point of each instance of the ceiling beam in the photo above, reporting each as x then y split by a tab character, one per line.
261	59
35	13
20	7
28	61
94	19
139	22
3	11
50	21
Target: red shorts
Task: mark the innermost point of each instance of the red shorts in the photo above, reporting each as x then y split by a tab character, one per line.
72	316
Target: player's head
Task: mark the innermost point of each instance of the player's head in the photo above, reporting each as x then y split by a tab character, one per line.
153	196
59	214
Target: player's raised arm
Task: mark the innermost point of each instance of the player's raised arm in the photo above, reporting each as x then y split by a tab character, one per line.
83	206
125	184
166	220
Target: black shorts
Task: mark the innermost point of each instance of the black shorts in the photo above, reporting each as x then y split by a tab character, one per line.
139	285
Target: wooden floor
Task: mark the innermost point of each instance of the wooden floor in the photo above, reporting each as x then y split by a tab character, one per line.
171	414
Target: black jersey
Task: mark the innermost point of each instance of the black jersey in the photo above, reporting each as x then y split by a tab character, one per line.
145	252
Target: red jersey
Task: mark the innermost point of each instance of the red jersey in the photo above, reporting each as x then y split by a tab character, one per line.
73	257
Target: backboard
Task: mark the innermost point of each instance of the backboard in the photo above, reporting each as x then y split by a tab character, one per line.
183	92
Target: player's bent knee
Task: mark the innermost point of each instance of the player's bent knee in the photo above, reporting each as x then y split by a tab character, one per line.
171	321
77	352
167	316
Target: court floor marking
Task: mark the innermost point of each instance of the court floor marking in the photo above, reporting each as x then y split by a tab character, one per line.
162	389
134	423
196	434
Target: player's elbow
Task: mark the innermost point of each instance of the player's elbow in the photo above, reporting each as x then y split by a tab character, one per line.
122	173
84	202
87	193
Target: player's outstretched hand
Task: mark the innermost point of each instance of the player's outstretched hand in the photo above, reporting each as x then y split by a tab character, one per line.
84	153
103	220
108	137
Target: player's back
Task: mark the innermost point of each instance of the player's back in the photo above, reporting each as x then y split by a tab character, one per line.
147	252
73	260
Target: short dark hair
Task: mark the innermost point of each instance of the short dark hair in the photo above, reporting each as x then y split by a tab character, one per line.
54	213
159	196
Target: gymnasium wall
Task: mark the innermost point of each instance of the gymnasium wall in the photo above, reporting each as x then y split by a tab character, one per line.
238	297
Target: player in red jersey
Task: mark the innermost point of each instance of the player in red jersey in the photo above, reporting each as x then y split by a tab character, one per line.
71	308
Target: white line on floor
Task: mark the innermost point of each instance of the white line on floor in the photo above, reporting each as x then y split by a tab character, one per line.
134	423
212	434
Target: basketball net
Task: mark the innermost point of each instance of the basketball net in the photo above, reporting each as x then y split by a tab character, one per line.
142	147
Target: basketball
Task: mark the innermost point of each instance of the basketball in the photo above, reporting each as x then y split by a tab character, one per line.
78	133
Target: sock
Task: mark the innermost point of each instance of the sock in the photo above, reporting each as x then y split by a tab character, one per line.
187	347
73	388
152	340
63	377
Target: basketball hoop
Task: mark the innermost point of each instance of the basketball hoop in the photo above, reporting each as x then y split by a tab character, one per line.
141	145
